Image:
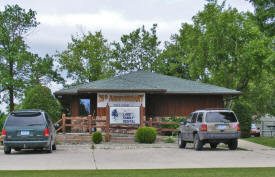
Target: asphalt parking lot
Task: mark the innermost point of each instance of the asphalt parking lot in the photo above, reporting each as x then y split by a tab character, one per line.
135	156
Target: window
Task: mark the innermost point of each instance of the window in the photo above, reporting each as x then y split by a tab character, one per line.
25	120
224	117
200	116
188	119
194	118
84	107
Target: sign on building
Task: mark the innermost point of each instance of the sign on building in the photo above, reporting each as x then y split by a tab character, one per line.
124	115
120	99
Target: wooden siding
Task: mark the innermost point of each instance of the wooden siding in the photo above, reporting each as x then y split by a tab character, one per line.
180	105
101	111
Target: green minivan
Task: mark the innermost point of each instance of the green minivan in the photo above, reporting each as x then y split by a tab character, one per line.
28	129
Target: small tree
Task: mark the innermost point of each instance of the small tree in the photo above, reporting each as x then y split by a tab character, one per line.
2	120
40	97
244	115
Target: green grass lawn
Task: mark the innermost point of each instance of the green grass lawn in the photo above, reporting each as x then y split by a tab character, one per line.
266	141
210	172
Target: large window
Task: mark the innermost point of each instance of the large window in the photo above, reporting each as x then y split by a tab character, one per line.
85	107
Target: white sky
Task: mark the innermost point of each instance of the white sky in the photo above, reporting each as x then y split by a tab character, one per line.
59	19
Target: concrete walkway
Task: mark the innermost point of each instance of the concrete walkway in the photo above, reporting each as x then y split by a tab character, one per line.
138	156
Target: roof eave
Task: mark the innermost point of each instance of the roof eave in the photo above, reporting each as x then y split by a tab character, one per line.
121	90
205	93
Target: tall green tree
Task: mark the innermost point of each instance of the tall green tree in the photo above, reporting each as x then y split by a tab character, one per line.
138	50
265	15
87	58
15	23
42	71
223	47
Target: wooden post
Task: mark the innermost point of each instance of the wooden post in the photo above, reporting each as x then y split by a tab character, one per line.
150	122
90	124
107	123
64	123
141	115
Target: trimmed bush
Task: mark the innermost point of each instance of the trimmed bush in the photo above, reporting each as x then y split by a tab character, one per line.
146	135
97	137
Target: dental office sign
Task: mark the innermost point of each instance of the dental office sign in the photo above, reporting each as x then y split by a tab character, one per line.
120	99
124	115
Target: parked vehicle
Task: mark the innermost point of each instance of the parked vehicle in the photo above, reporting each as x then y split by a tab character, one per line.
28	129
211	126
254	131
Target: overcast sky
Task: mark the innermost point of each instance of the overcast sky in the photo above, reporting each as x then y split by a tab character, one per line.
59	19
62	18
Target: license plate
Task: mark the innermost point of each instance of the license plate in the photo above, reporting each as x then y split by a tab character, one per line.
221	127
25	132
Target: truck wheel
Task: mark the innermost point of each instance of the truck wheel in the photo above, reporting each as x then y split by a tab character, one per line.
232	145
181	143
50	148
54	146
198	144
7	150
213	145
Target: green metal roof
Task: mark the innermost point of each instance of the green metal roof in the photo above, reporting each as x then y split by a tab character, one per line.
144	81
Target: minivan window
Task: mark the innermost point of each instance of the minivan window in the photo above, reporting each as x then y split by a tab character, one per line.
15	120
224	117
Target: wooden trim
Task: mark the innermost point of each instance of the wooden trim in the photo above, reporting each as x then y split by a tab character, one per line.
107	122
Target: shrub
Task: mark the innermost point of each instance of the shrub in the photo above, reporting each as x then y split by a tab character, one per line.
97	137
174	120
244	115
146	135
40	97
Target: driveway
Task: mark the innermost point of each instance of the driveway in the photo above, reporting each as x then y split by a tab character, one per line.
136	156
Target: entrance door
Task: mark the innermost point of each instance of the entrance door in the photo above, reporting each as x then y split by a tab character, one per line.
85	107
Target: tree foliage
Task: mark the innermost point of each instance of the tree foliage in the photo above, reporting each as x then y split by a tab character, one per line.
265	15
86	58
42	71
40	97
138	50
225	47
15	23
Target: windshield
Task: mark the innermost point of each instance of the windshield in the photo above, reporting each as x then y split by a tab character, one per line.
25	120
224	117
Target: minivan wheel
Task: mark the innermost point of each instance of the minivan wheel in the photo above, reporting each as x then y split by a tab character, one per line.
7	150
181	143
232	145
50	148
17	149
198	144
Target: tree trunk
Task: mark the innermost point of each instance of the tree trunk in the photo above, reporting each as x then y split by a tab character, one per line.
11	94
11	89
